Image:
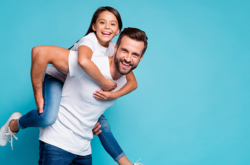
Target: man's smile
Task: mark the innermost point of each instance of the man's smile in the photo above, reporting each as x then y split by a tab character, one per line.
125	65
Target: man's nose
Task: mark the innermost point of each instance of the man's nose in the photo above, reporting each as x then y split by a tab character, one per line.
128	58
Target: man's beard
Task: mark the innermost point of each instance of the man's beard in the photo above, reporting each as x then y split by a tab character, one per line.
118	66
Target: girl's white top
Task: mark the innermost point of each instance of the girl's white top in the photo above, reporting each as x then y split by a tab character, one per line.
89	40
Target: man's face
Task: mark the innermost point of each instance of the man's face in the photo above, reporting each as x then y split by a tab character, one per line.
128	55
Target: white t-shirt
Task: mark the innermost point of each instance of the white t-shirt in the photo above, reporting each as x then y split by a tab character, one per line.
89	40
79	110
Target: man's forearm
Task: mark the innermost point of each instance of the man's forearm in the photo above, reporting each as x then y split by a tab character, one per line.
38	68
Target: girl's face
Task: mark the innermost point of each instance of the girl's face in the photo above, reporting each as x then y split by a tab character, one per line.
106	27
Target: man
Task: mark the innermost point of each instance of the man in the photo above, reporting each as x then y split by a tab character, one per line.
68	140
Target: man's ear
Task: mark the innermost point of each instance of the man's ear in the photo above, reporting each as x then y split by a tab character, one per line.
141	57
93	27
115	48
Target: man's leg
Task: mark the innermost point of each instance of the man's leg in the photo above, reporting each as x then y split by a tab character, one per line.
110	144
82	160
51	155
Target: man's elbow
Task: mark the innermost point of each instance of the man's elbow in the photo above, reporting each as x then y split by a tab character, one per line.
36	52
135	85
39	54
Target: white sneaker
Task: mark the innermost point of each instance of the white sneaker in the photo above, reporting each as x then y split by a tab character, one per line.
6	135
137	163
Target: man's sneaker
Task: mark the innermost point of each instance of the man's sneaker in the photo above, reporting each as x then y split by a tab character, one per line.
137	163
6	135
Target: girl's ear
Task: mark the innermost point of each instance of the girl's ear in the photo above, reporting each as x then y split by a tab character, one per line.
93	27
118	31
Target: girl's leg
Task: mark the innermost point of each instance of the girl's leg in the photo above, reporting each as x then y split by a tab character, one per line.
110	144
52	90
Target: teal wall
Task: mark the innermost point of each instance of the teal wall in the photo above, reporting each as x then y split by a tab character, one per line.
192	106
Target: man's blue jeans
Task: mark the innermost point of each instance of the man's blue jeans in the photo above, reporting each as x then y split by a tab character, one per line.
52	155
52	91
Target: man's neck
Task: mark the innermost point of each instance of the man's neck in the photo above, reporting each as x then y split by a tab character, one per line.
113	70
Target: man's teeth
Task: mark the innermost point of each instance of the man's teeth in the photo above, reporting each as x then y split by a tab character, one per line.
125	64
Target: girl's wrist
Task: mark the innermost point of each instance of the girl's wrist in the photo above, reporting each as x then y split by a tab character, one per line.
115	95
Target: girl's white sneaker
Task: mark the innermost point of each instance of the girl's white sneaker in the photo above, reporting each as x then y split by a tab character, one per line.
138	163
6	135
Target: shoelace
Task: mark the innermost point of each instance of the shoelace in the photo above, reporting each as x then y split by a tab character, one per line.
138	163
10	135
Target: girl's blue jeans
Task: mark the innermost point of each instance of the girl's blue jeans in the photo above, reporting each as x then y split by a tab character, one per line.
52	91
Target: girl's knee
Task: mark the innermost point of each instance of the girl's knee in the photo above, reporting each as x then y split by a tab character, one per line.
47	121
105	125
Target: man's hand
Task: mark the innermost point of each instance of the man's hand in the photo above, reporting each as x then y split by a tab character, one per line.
109	85
104	95
39	103
96	130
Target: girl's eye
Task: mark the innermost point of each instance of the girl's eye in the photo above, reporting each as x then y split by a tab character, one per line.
101	22
113	24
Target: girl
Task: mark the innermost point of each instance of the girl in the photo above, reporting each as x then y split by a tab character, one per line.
106	23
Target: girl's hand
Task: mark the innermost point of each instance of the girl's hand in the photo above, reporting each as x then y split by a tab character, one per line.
104	95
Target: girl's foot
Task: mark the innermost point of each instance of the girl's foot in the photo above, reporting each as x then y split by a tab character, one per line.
6	135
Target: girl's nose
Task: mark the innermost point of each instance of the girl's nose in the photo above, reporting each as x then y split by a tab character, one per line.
107	26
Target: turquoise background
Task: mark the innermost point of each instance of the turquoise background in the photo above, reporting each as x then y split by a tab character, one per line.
193	99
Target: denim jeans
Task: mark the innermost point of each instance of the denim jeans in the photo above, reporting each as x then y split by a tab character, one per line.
52	155
52	91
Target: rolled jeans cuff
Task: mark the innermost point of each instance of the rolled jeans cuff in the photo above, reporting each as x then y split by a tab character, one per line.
18	124
119	156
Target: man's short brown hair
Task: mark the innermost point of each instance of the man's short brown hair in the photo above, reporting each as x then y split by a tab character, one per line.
135	34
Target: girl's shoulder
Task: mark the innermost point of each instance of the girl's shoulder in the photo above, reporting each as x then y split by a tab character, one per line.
111	43
89	37
89	40
110	51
